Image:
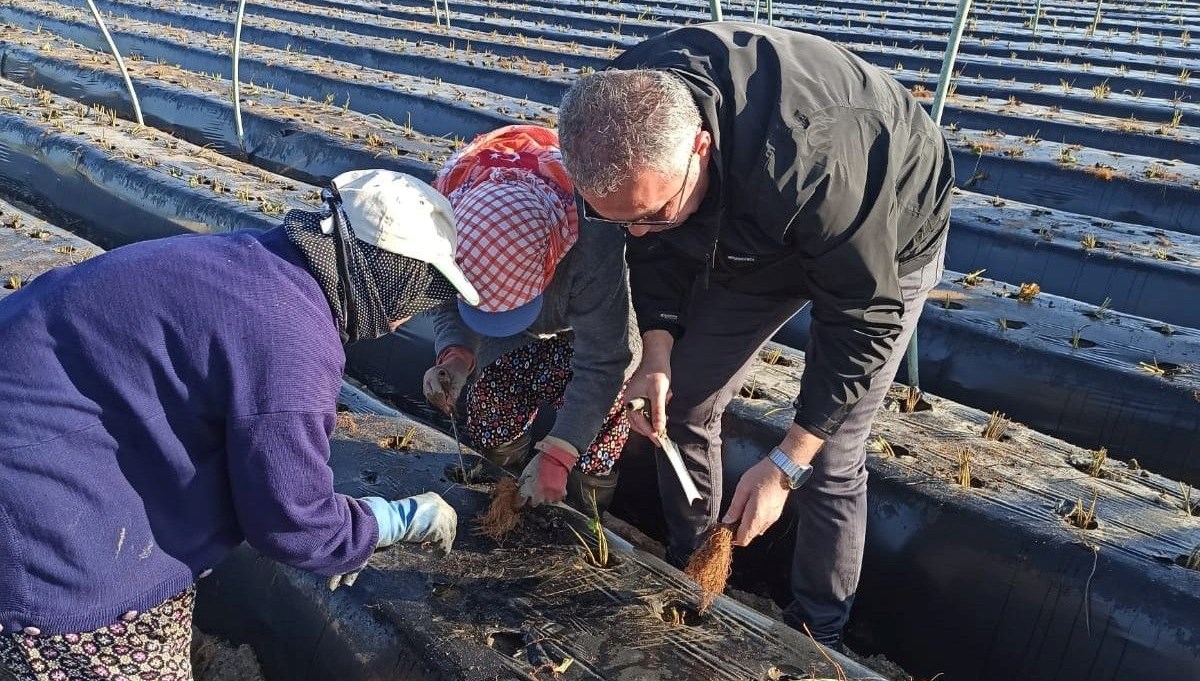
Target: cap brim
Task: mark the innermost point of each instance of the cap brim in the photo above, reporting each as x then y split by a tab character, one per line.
501	324
458	280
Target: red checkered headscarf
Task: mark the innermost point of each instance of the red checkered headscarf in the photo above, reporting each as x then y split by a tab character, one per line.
515	212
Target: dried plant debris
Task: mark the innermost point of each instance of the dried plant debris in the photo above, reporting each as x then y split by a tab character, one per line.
345	421
1027	292
1083	516
503	515
996	426
711	564
399	442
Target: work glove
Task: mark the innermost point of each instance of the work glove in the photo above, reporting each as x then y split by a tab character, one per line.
424	518
445	380
544	480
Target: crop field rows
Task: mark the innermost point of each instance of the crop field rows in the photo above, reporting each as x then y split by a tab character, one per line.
1074	256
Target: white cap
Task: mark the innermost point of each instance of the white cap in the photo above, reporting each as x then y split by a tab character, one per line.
401	214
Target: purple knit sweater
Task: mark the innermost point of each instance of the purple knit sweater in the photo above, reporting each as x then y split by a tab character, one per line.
161	403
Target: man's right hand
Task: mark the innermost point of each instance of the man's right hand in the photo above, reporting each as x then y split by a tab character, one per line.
445	380
652	380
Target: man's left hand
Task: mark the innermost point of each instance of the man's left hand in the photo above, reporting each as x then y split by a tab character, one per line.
761	493
757	502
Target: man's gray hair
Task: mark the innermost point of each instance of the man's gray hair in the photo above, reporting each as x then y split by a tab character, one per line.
613	124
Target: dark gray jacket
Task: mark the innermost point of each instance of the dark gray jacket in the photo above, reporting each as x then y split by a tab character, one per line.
828	182
589	297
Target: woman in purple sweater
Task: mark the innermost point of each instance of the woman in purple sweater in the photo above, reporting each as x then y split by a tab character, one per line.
167	400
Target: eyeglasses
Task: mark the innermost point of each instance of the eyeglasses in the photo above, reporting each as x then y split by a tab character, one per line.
677	199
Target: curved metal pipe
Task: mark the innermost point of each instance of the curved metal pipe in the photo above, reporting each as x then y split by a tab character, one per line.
137	107
237	89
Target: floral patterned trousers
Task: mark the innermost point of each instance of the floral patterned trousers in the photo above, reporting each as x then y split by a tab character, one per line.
505	398
154	645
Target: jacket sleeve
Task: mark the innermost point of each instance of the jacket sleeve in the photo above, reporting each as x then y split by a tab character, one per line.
282	489
846	231
449	330
660	281
604	347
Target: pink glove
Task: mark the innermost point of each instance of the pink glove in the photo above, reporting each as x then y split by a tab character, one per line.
544	479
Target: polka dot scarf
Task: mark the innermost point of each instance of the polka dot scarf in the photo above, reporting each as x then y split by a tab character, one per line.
367	287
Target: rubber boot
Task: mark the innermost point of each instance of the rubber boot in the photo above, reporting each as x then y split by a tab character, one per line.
510	456
581	487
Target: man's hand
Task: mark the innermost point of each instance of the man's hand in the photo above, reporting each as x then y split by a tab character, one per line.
761	493
445	380
652	380
757	502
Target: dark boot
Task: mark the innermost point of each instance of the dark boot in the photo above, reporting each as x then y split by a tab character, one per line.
510	456
581	487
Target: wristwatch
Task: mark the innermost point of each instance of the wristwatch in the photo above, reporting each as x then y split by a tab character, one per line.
794	474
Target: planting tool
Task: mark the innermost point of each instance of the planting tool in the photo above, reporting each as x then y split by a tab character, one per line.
641	404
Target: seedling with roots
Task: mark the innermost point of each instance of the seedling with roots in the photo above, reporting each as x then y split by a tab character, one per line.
973	278
1088	242
1185	491
996	425
711	564
503	514
600	557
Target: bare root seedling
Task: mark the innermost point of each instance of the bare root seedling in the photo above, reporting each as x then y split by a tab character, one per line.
711	564
503	514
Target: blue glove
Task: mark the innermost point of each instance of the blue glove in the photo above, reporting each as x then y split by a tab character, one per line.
420	519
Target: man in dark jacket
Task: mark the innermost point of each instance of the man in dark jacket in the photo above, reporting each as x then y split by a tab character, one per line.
762	169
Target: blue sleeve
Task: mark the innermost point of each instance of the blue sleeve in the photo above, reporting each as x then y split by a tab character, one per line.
283	493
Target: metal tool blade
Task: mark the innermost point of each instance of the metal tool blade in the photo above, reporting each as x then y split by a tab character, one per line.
641	404
462	465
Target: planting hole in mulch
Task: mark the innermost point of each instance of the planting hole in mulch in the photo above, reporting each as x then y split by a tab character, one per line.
951	305
776	358
753	392
906	400
1189	561
508	643
679	613
447	591
1082	343
1079	514
1013	324
469	476
370	477
1171	370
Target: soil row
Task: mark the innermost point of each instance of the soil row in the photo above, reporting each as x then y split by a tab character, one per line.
1086	374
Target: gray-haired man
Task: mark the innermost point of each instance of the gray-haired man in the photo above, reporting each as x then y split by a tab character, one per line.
763	169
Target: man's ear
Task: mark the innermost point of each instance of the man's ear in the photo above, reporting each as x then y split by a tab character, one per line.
704	144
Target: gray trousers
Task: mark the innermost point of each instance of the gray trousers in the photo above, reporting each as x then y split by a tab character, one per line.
709	363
